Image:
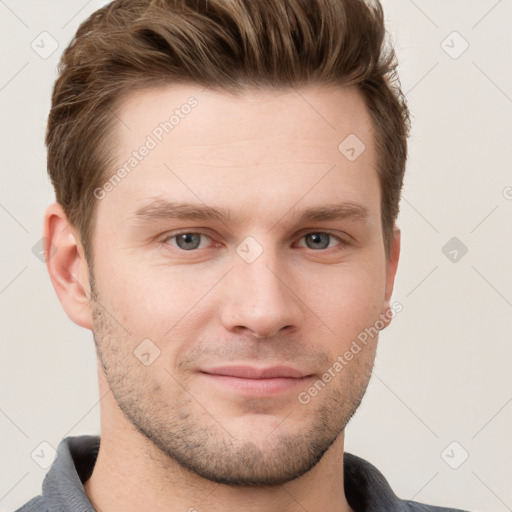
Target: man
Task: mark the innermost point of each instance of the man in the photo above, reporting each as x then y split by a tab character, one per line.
227	177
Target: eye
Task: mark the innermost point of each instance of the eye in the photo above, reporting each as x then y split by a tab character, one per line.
191	241
320	240
188	241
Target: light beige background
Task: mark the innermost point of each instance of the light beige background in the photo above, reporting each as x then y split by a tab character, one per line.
443	367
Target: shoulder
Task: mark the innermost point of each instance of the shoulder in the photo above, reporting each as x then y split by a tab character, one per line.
367	490
413	506
37	504
62	487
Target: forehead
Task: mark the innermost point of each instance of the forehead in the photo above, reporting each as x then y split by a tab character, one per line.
183	142
219	117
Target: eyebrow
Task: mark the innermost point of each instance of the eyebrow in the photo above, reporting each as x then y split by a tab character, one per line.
164	210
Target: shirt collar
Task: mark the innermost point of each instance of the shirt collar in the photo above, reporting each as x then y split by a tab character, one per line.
366	488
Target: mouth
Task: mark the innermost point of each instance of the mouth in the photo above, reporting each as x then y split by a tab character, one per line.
254	381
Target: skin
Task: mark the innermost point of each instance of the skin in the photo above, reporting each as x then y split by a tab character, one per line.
171	437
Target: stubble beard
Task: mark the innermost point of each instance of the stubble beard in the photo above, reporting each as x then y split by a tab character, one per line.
187	434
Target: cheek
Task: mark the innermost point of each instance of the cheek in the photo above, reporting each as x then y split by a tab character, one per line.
154	300
157	300
350	300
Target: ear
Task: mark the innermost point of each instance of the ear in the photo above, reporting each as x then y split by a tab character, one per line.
67	266
391	266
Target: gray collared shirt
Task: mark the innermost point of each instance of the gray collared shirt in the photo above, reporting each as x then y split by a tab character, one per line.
366	488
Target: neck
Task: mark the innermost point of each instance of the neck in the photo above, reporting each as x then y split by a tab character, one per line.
132	474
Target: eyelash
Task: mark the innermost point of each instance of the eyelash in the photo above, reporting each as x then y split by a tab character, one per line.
342	242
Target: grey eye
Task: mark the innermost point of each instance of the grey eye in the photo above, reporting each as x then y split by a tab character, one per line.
188	241
318	240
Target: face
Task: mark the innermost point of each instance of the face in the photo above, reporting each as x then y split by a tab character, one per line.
237	259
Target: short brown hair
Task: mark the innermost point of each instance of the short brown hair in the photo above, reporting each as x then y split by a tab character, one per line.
220	44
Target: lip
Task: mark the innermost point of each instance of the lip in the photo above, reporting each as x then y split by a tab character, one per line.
250	380
251	372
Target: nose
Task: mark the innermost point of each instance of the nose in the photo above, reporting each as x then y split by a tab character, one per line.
259	298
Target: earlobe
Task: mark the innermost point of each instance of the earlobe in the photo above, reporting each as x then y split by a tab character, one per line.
391	268
67	266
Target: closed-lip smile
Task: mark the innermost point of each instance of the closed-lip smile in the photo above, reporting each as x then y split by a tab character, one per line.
252	380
